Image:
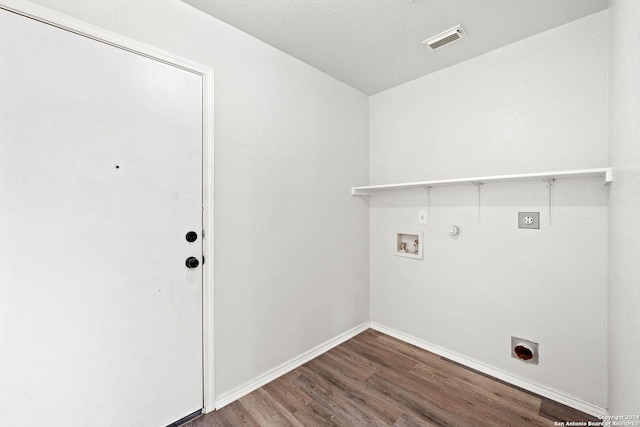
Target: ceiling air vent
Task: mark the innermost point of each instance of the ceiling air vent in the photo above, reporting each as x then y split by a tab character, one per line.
445	37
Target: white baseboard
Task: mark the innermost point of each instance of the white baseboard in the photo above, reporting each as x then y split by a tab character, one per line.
256	383
573	402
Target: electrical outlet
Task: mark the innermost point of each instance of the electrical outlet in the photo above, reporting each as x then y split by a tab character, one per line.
422	217
529	220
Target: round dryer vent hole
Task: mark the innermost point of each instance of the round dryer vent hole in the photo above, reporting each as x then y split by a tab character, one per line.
524	350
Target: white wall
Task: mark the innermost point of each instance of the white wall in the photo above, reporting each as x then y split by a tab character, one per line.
624	205
292	261
291	264
537	105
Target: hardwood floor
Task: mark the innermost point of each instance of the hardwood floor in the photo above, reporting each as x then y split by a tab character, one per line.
376	380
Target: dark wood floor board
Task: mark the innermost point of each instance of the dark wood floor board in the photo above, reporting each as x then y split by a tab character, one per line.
411	420
375	380
485	384
557	411
383	357
483	407
413	391
479	388
327	403
351	367
302	406
315	412
359	358
383	409
268	411
341	399
427	407
513	403
231	415
502	410
446	393
409	350
347	357
290	396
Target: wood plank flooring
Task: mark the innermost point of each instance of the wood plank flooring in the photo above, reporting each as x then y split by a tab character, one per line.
376	380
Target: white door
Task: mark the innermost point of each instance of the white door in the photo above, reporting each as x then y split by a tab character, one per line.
100	181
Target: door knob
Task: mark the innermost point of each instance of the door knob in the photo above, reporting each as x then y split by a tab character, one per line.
192	262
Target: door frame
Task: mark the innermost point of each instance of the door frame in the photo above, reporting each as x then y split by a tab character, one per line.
67	23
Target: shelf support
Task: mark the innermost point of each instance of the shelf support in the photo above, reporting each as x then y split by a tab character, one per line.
428	188
550	183
479	187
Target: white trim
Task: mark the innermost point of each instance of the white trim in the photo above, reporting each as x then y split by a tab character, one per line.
68	23
208	266
606	173
286	367
48	16
557	396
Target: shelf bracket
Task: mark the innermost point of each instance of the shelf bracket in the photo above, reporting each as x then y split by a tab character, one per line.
479	188
550	188
428	188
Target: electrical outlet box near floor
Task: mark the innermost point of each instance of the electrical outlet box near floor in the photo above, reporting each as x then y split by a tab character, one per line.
529	220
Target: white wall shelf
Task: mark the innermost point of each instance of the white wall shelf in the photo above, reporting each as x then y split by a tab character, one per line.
606	173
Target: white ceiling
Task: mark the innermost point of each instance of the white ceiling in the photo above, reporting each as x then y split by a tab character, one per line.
373	45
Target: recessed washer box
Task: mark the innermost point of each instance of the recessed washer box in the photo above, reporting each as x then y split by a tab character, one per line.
529	220
408	244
